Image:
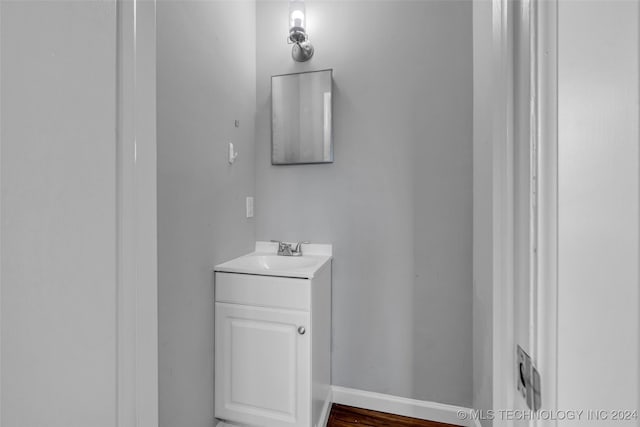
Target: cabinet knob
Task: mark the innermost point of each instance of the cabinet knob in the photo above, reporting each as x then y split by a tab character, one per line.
301	330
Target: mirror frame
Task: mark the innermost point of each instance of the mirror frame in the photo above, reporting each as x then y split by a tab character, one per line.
330	70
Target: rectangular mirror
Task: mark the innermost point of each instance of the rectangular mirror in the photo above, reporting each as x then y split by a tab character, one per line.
301	118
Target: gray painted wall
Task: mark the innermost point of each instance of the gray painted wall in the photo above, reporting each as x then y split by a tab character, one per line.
204	84
482	207
58	198
397	202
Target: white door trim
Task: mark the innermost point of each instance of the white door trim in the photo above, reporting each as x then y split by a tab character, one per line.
137	286
545	355
0	226
503	205
544	136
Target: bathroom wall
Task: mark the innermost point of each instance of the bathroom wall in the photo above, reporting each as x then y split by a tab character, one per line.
206	81
58	196
397	202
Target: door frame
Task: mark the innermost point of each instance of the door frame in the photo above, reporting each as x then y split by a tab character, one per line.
544	142
137	265
546	113
503	206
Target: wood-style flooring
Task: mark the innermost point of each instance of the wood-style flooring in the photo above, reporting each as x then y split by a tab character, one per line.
348	416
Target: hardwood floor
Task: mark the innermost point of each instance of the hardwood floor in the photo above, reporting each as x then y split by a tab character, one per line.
348	416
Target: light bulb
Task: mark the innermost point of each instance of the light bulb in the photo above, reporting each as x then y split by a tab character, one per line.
297	19
296	15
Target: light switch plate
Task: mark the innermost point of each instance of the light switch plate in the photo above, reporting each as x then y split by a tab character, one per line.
249	207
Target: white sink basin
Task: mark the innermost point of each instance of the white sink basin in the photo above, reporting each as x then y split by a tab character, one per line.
270	264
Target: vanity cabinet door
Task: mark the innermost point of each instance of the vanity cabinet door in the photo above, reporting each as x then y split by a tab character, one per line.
262	365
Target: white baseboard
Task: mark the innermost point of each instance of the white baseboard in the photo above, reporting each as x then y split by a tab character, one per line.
433	411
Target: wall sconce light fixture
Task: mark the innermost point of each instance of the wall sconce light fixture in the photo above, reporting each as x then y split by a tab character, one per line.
302	50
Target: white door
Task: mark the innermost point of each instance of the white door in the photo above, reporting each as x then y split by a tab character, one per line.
598	339
262	365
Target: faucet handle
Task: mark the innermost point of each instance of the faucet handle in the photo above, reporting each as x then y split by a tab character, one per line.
299	246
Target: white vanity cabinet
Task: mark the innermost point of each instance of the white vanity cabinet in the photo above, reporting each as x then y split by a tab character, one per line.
272	348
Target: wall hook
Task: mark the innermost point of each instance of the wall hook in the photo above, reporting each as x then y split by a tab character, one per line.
232	154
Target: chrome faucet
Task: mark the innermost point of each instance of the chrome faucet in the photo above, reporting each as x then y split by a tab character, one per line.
286	249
